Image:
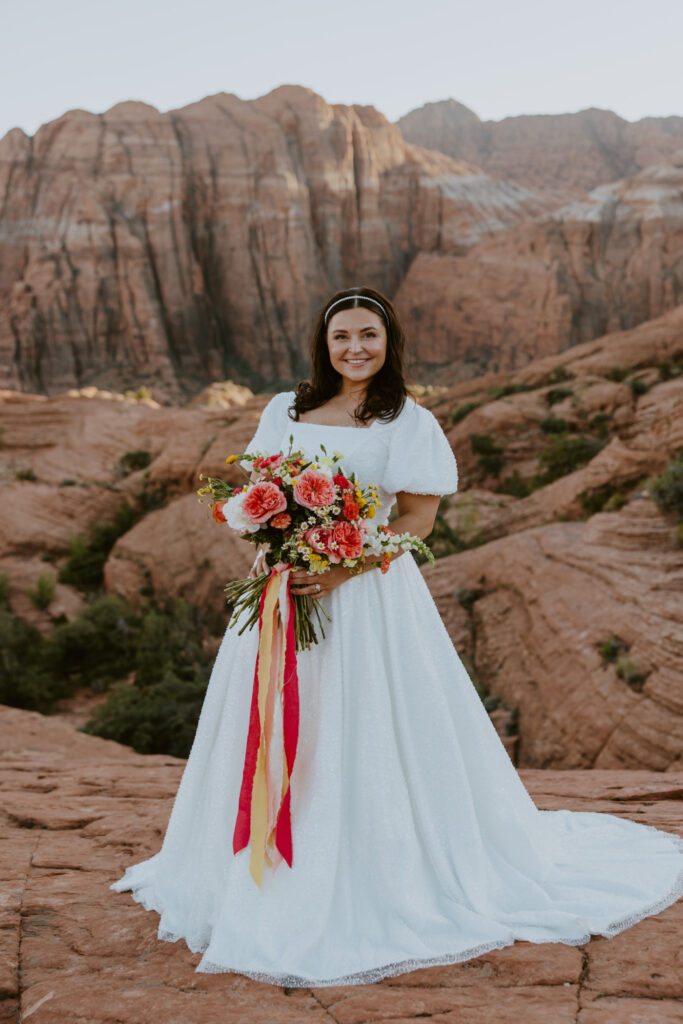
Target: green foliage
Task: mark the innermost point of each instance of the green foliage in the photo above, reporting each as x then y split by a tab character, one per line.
466	597
4	589
461	411
553	425
667	488
517	485
159	713
639	386
133	461
566	454
88	555
599	422
611	648
103	645
507	389
44	591
556	395
24	473
491	456
445	539
627	670
606	498
618	373
95	648
558	376
668	369
678	535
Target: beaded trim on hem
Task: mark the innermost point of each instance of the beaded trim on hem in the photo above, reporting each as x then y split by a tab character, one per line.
404	966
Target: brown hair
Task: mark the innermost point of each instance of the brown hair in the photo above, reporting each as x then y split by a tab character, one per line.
386	391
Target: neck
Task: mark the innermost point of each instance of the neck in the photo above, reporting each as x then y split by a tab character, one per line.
353	389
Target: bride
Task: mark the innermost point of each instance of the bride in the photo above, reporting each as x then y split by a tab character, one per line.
414	840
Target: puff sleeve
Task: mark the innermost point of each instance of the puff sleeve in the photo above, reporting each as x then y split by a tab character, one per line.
271	426
420	460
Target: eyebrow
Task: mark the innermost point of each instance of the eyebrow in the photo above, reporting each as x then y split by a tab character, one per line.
367	327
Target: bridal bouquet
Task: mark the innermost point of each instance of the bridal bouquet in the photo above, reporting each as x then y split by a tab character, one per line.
310	515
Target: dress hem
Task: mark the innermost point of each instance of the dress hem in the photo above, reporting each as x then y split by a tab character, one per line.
373	974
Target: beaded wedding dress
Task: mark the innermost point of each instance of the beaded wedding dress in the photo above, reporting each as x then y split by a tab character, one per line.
414	839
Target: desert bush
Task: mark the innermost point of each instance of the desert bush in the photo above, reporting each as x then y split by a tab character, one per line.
553	425
612	648
556	395
507	389
133	461
627	670
44	591
638	385
668	369
461	411
558	376
491	456
607	498
617	373
566	454
667	488
517	485
4	589
87	555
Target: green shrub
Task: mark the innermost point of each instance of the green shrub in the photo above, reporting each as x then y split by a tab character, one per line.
491	456
44	592
558	376
4	589
599	422
566	454
627	670
507	389
618	373
133	461
556	395
517	485
667	488
668	369
639	386
466	597
461	411
97	647
678	535
612	648
26	680
88	555
606	498
553	425
24	473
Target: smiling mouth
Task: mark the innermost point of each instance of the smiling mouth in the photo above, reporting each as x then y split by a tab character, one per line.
356	362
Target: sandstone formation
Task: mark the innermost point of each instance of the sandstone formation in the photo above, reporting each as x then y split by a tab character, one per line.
543	585
598	265
570	153
176	249
75	810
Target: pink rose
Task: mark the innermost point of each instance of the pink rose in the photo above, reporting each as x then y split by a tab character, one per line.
317	538
313	489
349	539
262	501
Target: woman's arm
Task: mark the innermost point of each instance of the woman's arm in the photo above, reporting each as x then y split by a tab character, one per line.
416	515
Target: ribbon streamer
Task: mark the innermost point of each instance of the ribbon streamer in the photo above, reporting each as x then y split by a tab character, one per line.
264	810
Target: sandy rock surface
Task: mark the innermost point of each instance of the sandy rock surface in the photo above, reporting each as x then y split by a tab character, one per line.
76	809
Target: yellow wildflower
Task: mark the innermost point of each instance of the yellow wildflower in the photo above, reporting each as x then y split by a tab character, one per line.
232	458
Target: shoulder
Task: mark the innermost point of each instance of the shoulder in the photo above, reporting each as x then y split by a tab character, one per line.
279	403
414	416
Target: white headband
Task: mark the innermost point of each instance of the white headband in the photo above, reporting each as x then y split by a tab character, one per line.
365	298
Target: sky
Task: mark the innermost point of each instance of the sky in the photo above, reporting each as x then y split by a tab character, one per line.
499	58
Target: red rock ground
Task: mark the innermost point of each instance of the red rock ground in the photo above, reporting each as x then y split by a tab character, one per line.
76	809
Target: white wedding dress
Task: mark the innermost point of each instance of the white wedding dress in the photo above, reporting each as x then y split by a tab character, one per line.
414	839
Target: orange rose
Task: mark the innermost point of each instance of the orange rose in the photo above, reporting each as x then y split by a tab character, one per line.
262	501
349	539
281	521
313	489
217	511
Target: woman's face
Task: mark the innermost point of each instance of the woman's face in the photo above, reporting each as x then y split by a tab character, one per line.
357	342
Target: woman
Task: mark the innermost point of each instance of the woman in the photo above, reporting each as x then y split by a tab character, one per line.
414	840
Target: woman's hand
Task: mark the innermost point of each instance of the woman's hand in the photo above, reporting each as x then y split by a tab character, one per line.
259	565
304	582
